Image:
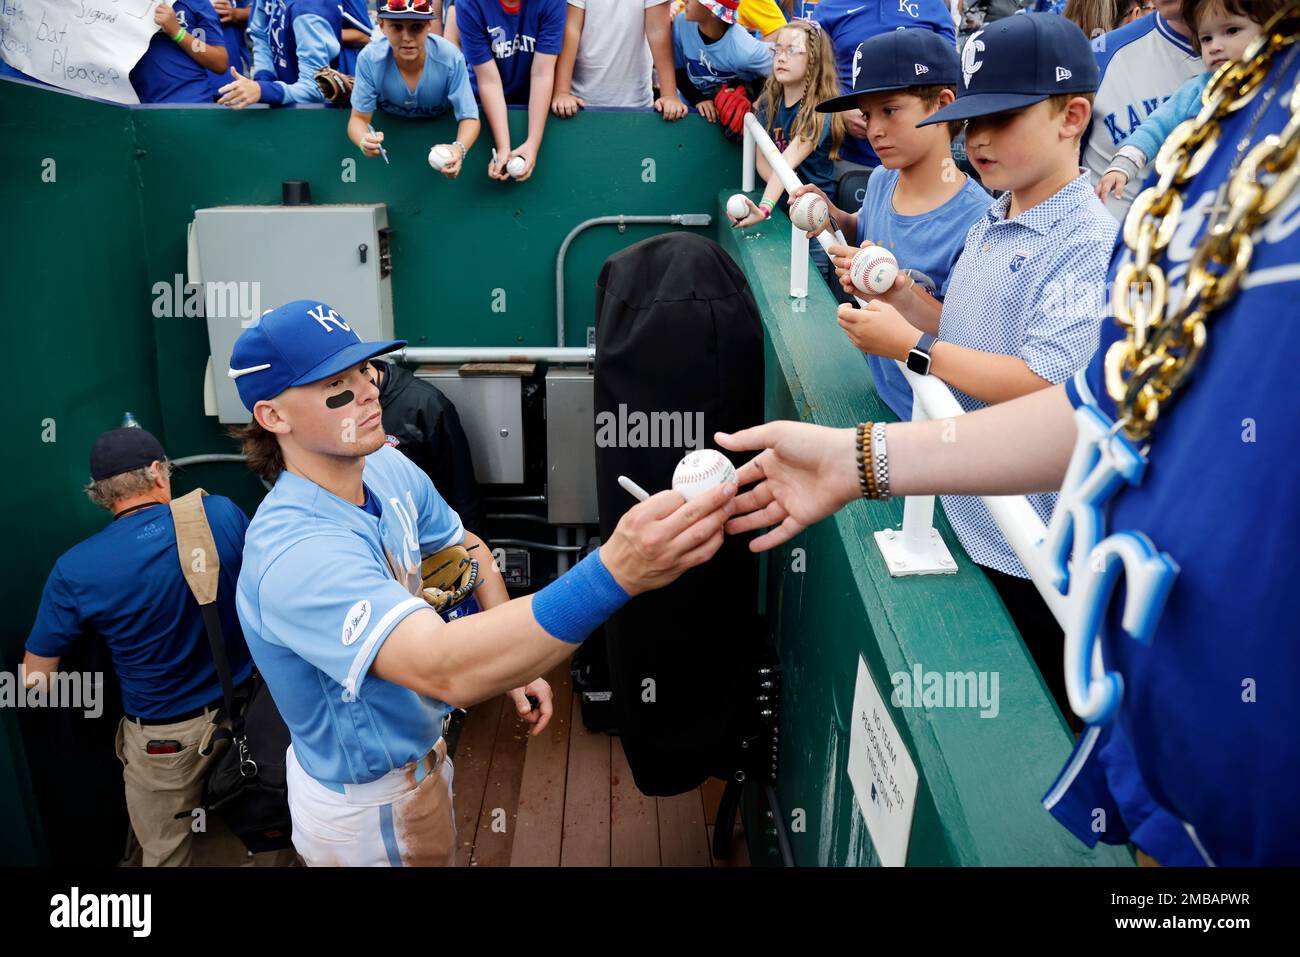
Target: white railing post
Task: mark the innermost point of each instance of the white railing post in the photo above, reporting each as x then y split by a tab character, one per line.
747	162
798	263
920	549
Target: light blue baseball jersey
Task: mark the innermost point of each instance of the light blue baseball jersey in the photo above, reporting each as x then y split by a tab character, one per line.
444	82
1032	287
324	583
736	56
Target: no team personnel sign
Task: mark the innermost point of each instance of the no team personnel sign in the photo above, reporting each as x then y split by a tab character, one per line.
86	46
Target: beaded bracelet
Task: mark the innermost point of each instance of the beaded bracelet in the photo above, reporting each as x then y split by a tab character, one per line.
866	475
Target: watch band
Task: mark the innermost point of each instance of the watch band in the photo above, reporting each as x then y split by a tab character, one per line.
918	359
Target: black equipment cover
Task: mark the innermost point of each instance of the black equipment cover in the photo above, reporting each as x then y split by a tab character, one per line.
678	331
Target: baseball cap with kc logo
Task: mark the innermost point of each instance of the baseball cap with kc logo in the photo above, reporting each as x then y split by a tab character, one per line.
300	342
1019	61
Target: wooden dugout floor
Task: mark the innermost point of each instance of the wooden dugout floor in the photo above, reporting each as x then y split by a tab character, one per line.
566	798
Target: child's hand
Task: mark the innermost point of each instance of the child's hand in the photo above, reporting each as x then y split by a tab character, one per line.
755	215
240	91
165	17
708	110
840	257
497	165
370	143
450	169
878	329
526	154
567	105
671	107
809	188
1113	182
225	10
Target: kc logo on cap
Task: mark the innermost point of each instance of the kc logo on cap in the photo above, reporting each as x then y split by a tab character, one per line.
301	342
969	65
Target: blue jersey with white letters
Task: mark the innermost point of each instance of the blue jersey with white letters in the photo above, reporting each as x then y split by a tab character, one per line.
324	583
1206	727
849	22
443	84
292	40
489	32
738	55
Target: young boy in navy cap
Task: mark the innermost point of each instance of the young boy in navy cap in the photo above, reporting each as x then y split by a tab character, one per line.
1026	296
918	205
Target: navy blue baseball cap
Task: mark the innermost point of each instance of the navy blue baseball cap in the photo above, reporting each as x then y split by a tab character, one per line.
1019	61
122	450
302	341
895	61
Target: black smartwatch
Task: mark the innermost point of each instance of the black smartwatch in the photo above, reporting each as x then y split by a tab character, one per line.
918	360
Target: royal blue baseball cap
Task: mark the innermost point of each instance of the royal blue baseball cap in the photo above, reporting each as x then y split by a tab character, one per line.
1019	61
300	342
895	61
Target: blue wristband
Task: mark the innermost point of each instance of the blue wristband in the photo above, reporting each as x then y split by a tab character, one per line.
575	604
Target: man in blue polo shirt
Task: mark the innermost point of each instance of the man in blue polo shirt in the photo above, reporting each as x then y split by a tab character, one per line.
410	71
362	668
184	57
511	49
125	584
849	22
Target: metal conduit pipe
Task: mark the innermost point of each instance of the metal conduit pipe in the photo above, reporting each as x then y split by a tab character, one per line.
414	355
564	549
676	219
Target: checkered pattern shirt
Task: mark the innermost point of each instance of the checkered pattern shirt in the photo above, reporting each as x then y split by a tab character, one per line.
1033	287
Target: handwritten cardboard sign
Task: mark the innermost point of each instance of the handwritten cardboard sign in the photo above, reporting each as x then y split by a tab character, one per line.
86	46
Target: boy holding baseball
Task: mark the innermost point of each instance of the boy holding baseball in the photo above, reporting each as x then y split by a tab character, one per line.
1026	295
918	205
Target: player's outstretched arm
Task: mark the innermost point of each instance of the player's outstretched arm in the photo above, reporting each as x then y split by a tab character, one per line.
476	657
807	472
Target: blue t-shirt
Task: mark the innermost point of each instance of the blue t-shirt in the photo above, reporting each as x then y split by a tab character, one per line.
443	85
125	584
489	32
166	73
817	169
358	18
849	22
235	38
323	585
1207	708
737	55
926	245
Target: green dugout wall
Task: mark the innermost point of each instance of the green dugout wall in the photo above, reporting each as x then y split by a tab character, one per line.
96	202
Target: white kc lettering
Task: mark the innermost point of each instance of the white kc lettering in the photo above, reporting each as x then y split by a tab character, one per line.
327	317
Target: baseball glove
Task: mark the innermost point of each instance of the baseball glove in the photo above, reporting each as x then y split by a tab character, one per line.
733	102
449	577
335	86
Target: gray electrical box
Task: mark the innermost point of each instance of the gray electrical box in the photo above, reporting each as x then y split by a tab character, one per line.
254	258
491	411
571	447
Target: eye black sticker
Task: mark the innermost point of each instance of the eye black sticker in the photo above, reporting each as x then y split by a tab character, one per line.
340	400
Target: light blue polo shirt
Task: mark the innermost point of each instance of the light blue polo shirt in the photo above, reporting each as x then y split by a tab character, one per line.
444	82
1033	287
323	584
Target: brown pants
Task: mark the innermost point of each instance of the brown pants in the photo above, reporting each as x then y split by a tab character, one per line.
160	786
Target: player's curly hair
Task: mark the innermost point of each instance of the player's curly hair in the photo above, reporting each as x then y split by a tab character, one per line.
261	448
821	82
107	491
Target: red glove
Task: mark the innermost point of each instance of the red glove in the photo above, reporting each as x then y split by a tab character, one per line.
732	103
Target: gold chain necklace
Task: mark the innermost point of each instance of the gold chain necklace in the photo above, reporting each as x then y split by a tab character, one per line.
1159	351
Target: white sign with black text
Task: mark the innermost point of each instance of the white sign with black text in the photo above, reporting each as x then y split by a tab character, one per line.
882	772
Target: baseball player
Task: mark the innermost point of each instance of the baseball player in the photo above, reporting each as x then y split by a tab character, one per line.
1170	534
330	598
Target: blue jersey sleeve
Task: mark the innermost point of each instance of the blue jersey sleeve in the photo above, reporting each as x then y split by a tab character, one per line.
550	28
259	33
329	600
1155	129
440	526
317	44
58	620
473	34
459	91
365	86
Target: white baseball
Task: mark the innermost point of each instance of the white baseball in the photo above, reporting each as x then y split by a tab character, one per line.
737	206
809	212
439	157
872	269
516	166
700	471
